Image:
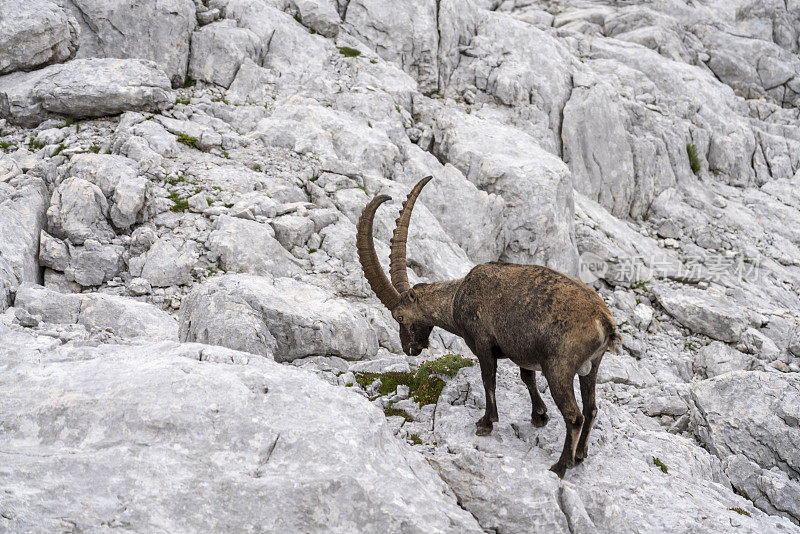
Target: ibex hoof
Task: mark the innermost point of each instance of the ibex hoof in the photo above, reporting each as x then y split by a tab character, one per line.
482	429
559	469
539	419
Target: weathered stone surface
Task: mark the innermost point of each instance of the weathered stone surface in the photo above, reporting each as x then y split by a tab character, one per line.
751	420
218	50
486	472
22	218
596	148
123	317
83	88
250	446
250	247
120	182
34	34
158	31
716	316
504	161
78	211
168	263
284	317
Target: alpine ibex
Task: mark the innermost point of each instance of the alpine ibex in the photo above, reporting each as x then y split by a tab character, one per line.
538	318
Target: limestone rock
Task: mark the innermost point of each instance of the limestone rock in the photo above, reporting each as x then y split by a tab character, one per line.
83	88
250	247
168	263
218	50
157	31
35	34
284	317
250	446
123	317
753	415
78	211
700	311
22	217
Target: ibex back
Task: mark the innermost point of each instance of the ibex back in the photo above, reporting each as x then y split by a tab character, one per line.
537	317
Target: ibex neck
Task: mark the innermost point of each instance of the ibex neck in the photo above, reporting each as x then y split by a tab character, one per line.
436	301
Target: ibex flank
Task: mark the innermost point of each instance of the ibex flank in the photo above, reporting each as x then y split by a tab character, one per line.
538	318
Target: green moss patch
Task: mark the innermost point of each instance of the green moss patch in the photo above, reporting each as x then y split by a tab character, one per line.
694	158
658	463
390	412
425	384
415	439
346	51
179	203
188	140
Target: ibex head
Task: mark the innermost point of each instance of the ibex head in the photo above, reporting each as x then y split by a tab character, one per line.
396	295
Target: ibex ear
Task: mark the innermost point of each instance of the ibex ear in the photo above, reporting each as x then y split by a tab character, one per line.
412	296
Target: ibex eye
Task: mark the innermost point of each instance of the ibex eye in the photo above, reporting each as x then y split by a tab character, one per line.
399	318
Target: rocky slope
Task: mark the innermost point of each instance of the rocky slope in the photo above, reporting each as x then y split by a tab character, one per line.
179	183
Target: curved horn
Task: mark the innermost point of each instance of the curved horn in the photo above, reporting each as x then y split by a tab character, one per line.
369	259
397	258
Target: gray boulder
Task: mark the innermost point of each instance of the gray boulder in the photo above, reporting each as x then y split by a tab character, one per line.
703	312
34	34
249	445
169	262
22	217
218	50
244	246
78	211
83	88
123	317
157	31
118	179
281	316
503	160
596	147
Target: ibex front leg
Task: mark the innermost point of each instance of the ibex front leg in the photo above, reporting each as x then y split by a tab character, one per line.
488	365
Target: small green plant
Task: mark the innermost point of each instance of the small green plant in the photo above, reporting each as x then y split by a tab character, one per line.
312	250
373	61
94	149
256	167
694	158
189	82
178	202
740	511
346	51
60	148
188	140
182	100
209	200
415	439
661	465
6	145
226	155
33	144
297	18
219	99
69	121
389	412
640	284
314	179
363	189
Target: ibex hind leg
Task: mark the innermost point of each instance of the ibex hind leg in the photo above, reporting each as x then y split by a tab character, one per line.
588	384
564	397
